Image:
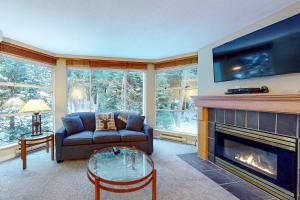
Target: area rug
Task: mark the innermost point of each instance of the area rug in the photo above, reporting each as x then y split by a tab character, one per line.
46	180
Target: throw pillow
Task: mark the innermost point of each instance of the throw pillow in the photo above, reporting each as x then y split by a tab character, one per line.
123	116
105	121
135	123
73	124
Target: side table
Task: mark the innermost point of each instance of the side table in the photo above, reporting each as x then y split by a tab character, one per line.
28	140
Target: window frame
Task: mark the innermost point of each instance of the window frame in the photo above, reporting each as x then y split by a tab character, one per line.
35	86
186	67
124	71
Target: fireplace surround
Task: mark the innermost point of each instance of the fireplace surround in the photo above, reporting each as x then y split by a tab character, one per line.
266	160
276	116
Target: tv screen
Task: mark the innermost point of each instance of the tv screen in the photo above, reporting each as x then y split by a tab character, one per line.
272	50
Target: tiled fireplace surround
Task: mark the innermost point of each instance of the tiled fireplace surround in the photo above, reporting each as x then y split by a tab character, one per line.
274	123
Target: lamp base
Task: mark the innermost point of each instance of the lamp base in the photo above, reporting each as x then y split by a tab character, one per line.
36	124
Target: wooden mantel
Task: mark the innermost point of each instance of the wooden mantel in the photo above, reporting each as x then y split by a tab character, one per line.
277	103
281	103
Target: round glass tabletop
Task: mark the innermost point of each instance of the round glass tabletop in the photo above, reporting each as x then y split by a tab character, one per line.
128	165
29	136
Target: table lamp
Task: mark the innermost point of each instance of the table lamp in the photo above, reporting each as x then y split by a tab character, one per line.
35	106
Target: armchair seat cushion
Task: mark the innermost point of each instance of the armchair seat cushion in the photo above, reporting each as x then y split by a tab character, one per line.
83	137
132	136
106	136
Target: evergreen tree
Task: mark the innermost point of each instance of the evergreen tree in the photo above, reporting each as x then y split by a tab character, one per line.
21	81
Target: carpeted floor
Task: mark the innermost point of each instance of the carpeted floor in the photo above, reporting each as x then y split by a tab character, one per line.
46	180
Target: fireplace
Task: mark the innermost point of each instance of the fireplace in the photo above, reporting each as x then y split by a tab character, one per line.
266	160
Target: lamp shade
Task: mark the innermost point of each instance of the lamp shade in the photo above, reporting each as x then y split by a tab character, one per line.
35	106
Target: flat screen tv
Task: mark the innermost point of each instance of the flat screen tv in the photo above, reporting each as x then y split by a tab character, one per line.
272	50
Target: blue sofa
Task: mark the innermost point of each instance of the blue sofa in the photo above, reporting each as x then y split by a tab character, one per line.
81	145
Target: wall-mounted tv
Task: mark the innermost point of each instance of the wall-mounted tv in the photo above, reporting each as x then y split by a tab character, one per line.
272	50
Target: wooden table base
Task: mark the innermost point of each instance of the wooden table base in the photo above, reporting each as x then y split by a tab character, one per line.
30	143
97	182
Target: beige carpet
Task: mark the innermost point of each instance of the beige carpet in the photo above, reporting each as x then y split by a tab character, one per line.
46	180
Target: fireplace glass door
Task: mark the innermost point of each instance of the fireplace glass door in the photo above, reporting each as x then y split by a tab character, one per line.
257	159
269	162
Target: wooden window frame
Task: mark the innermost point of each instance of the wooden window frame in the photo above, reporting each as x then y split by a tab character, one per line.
18	51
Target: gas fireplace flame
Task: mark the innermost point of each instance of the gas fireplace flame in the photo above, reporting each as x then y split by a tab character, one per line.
256	162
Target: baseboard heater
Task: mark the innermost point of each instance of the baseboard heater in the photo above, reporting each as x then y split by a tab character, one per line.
171	137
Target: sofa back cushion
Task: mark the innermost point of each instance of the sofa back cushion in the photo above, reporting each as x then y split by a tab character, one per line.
135	123
72	124
88	120
121	118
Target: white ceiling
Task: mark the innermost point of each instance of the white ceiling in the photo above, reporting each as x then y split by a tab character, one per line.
149	29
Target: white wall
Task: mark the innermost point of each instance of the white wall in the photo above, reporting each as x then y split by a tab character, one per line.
60	92
149	95
277	84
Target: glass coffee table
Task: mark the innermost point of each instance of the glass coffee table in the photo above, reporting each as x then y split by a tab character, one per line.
127	171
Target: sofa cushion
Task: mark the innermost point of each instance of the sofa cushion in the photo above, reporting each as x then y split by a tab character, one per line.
123	115
87	118
132	136
84	137
73	124
135	123
106	136
121	118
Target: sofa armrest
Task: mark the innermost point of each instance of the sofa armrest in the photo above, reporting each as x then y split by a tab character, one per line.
148	130
60	135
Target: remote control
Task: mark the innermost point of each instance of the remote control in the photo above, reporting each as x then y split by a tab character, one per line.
116	150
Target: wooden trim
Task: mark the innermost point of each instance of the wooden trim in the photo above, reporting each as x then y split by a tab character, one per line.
107	64
26	53
77	62
203	133
177	62
282	103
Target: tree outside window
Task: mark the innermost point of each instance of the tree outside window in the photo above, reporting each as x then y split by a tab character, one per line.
175	110
102	90
21	81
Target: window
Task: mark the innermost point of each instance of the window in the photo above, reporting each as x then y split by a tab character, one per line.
78	90
21	81
175	110
103	90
